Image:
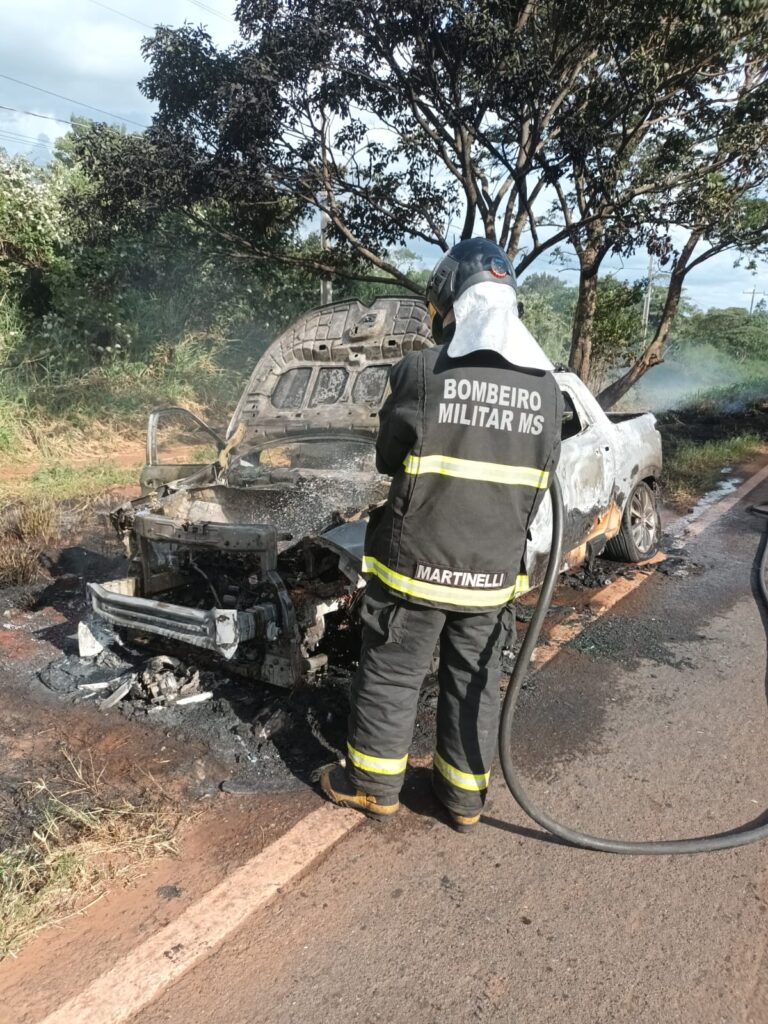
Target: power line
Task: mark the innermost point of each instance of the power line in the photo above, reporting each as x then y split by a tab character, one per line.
122	14
77	103
46	117
210	10
22	140
19	135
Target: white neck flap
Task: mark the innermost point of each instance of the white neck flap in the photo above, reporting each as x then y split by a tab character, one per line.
486	319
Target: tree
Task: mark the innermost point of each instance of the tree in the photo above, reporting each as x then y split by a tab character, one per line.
617	329
732	331
558	295
539	125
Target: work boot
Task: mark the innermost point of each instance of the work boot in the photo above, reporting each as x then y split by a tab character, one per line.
337	787
459	822
463	822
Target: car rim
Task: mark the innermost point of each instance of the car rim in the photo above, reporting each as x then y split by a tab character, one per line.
642	519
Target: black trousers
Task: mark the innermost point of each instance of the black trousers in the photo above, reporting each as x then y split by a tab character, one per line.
399	640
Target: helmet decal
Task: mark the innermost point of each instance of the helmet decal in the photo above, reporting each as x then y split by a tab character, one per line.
499	267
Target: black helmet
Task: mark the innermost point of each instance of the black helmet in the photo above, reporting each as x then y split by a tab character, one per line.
468	263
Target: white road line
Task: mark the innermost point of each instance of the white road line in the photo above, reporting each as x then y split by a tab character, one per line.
720	508
143	973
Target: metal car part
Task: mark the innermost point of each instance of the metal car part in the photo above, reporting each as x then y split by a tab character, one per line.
217	629
259	539
175	410
643	518
287	393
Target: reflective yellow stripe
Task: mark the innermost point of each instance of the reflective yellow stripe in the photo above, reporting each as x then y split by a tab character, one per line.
463	780
465	596
379	765
468	469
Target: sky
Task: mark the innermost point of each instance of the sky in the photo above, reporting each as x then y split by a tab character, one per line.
89	50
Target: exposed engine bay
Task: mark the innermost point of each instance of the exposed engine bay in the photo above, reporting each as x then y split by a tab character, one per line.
260	564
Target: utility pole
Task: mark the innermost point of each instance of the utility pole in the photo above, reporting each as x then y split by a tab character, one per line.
326	284
753	293
647	300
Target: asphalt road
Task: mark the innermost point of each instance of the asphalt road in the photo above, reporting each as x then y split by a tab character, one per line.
651	724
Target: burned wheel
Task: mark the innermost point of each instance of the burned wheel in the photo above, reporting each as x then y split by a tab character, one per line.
640	531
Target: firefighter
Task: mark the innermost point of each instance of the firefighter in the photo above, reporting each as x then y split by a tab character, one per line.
470	435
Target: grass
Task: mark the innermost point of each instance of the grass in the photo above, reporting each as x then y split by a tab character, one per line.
52	417
79	837
20	563
34	507
715	428
36	521
86	432
693	467
26	529
730	398
62	482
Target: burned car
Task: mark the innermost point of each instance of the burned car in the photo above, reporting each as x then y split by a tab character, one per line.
257	556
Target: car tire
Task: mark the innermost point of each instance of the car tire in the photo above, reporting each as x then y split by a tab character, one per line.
640	533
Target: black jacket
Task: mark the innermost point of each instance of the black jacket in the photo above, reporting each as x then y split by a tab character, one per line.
471	444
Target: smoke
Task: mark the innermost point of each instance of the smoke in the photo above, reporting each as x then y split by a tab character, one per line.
685	375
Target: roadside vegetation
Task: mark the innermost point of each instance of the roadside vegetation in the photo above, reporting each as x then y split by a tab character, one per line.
712	433
694	467
95	331
73	837
28	527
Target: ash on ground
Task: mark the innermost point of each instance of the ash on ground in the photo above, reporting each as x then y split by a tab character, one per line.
271	738
601	572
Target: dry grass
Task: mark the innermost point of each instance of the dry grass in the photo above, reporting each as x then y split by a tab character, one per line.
28	527
19	562
100	410
80	838
36	521
35	510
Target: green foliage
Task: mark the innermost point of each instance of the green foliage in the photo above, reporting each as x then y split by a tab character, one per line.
402	120
31	221
617	333
137	270
551	329
558	296
732	330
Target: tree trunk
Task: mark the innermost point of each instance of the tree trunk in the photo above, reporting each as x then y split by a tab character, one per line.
584	317
654	352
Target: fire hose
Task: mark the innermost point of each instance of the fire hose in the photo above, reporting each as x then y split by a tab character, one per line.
574	837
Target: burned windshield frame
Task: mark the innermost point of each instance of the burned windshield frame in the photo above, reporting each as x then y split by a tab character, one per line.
250	458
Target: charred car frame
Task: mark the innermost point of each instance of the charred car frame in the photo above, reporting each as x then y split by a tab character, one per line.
257	555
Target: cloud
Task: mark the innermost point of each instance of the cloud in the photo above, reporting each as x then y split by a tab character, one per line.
84	52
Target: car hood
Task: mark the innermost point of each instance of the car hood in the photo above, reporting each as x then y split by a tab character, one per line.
329	370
